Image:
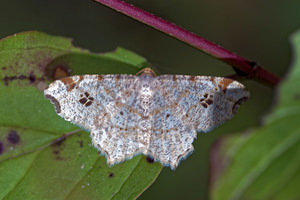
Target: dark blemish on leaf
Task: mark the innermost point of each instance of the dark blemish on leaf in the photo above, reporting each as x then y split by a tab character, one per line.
78	134
55	102
13	137
8	79
3	68
57	155
58	146
111	175
21	77
61	72
150	159
56	152
31	78
80	143
59	141
59	158
1	148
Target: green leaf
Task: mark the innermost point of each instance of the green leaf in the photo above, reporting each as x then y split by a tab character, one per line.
42	156
264	163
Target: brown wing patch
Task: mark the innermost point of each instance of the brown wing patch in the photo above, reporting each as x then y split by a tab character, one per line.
223	84
70	83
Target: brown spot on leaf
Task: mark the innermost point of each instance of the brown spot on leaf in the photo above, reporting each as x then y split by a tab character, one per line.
80	143
1	148
21	77
8	79
150	159
56	152
59	157
55	102
60	72
3	68
111	175
57	147
13	137
59	141
31	78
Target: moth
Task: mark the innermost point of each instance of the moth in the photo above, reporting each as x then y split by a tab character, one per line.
158	116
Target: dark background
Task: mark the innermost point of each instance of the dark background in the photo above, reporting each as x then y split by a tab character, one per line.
257	30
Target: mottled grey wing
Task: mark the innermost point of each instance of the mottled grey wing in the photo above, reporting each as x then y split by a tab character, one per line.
185	105
101	104
85	99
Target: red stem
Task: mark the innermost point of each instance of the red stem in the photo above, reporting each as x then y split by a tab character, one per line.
251	69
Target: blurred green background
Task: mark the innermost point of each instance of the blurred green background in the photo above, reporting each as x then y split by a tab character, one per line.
257	30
